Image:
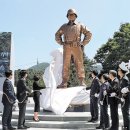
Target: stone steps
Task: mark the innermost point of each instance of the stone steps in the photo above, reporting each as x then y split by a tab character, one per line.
56	129
58	124
50	121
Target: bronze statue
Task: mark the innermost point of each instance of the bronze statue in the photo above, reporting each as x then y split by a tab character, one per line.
72	46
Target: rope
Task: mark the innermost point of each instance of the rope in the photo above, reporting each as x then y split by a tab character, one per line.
1	93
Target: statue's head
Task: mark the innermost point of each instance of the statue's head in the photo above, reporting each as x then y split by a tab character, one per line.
71	14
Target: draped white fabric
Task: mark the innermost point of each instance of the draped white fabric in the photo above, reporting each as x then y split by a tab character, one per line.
58	100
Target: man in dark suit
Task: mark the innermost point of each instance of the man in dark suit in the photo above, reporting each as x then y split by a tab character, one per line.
113	101
22	96
8	100
125	95
94	92
103	99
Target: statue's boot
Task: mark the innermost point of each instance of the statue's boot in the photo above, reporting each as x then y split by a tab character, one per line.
63	84
82	82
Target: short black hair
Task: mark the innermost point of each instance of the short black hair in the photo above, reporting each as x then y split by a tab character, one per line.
101	73
36	78
95	72
8	73
113	72
22	73
105	77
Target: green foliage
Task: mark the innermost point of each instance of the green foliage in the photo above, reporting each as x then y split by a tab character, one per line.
116	49
34	70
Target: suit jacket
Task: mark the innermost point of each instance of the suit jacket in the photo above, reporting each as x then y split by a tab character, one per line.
9	91
22	90
124	82
104	86
36	89
95	87
115	86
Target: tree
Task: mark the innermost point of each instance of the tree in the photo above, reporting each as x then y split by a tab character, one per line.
116	50
34	70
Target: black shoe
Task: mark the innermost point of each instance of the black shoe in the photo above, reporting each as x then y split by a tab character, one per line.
5	128
26	127
125	128
100	127
95	120
112	128
35	120
91	120
11	128
21	127
107	127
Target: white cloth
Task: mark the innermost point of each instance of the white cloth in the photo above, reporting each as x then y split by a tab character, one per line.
58	100
113	94
125	90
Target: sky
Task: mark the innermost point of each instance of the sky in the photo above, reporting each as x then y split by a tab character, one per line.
33	24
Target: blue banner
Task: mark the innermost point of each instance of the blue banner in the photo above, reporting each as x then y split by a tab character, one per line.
5	52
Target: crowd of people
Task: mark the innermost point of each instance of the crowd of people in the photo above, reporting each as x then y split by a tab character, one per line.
111	90
106	90
10	98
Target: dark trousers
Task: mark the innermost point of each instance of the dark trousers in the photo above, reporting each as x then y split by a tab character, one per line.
94	107
22	110
7	115
36	99
125	112
114	113
104	117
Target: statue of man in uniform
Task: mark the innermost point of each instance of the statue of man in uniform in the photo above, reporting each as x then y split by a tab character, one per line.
72	46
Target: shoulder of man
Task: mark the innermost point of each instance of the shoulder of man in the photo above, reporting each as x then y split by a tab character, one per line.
116	80
125	78
65	24
83	26
7	81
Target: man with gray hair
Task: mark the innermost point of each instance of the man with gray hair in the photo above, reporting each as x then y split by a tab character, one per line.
112	92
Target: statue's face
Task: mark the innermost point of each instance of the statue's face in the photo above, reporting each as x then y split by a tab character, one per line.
71	17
